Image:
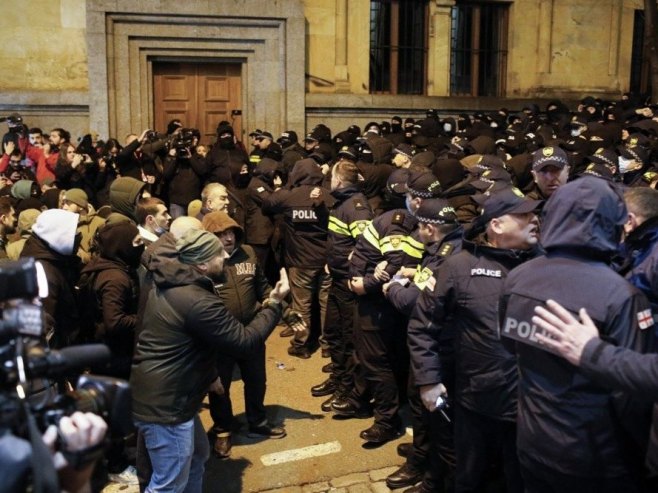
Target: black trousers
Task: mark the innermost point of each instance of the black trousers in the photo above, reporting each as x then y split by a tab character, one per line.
479	442
339	334
380	338
252	369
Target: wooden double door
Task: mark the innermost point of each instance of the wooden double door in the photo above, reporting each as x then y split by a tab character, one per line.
199	94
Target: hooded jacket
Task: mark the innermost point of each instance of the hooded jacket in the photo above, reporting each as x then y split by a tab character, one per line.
177	350
566	421
124	192
641	265
258	226
60	307
305	219
245	285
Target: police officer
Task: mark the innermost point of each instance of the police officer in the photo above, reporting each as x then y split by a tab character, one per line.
379	341
550	170
572	431
348	217
441	235
466	294
304	228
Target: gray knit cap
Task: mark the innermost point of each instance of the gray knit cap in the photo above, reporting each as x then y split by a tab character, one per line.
197	247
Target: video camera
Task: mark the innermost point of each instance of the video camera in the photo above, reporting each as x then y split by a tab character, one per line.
184	141
34	376
14	122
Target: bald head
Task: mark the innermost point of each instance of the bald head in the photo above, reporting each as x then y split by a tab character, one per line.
183	224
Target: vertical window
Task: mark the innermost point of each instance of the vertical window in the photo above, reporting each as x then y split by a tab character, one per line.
398	46
639	63
478	63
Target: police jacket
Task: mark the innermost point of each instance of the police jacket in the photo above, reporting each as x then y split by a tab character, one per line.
176	352
305	219
566	421
640	268
348	218
388	237
404	298
468	286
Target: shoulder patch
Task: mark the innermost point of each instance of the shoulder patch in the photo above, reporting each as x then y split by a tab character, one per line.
650	176
398	218
446	250
645	319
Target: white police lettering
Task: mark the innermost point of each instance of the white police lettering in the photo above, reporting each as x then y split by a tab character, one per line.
523	331
303	215
480	271
245	268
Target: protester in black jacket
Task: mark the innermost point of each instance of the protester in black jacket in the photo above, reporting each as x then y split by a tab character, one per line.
54	244
176	353
571	430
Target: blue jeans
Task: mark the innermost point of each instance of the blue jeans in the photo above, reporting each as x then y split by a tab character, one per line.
178	455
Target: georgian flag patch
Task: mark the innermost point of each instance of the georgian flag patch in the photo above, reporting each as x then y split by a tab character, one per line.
645	319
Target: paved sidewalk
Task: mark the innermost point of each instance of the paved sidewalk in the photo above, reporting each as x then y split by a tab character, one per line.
362	482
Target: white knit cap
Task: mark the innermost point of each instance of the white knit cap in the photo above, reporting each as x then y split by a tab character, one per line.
57	227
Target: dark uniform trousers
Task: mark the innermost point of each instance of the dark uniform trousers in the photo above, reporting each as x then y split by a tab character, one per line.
339	334
380	338
473	431
252	371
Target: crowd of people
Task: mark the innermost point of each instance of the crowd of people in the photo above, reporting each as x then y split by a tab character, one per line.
411	253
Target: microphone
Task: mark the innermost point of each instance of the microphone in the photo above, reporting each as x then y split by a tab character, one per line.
62	362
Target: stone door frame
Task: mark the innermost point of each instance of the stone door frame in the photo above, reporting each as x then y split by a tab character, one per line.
125	36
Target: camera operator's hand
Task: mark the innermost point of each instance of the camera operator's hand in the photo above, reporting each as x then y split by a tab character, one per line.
79	432
281	288
77	160
142	138
9	147
430	393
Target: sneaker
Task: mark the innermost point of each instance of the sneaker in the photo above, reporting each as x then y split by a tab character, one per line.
266	430
222	445
127	476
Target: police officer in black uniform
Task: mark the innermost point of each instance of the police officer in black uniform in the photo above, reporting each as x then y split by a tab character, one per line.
349	215
379	341
466	293
441	234
305	222
575	435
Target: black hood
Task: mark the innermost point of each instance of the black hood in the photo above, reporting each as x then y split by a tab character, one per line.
306	172
585	215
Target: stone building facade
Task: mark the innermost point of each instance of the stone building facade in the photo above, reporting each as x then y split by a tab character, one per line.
89	64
